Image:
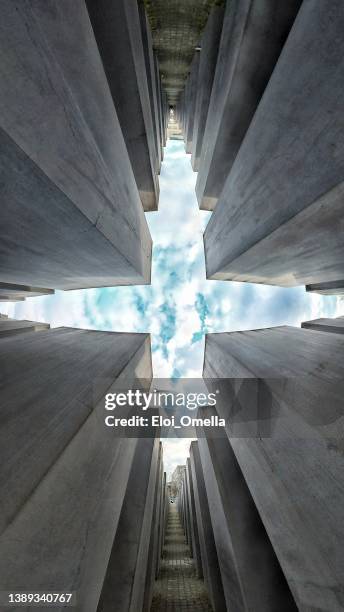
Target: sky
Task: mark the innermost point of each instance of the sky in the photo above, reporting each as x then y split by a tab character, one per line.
180	306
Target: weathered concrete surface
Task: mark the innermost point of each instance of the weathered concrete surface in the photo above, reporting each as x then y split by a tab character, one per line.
9	327
253	36
210	564
335	326
117	29
66	474
207	65
294	469
280	216
65	171
249	567
124	583
331	288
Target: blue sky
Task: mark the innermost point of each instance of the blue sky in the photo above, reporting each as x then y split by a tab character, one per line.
181	305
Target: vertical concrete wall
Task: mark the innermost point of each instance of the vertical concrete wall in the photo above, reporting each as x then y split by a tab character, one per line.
159	100
191	95
124	584
279	219
253	36
249	567
65	472
117	29
287	439
207	65
157	526
71	215
210	565
152	81
196	552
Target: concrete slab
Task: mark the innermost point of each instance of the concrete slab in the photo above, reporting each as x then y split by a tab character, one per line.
329	288
191	102
117	29
210	564
147	42
334	326
66	472
9	327
9	290
196	552
249	567
293	461
65	169
279	218
124	583
252	39
207	66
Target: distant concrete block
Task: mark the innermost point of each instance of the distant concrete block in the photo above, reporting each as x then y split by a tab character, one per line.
334	326
10	290
191	102
154	550
9	327
207	65
331	288
210	564
147	42
196	552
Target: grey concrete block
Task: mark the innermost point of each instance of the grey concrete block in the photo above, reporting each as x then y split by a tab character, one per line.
9	327
207	65
196	552
65	170
249	567
124	582
10	290
154	550
294	468
210	564
191	102
331	288
159	102
253	36
65	472
335	326
117	29
279	218
147	42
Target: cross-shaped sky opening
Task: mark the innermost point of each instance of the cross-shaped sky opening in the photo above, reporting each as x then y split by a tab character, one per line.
180	306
